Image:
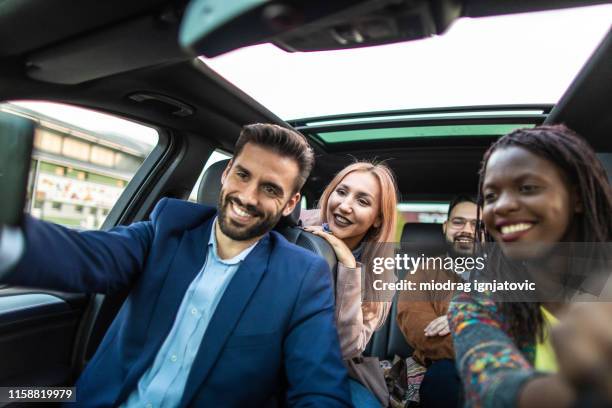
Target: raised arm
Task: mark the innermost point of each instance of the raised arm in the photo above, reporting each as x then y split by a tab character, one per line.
59	258
492	368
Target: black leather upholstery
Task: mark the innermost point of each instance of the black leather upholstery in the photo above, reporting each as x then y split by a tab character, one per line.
414	232
208	193
423	239
210	185
313	243
389	340
291	220
397	345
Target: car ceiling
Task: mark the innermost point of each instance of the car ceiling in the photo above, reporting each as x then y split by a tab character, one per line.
97	54
27	25
81	48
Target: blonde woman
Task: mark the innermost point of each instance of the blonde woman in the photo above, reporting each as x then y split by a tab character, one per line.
357	214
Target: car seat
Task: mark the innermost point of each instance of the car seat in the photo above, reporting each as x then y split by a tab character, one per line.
389	340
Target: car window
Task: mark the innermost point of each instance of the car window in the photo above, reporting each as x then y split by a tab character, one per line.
423	212
82	161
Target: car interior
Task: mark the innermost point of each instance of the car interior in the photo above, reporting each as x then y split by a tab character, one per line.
123	58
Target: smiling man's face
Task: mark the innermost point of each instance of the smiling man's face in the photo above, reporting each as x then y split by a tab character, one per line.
460	228
258	189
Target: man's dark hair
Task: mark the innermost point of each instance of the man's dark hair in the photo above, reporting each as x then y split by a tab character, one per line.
578	161
458	199
286	142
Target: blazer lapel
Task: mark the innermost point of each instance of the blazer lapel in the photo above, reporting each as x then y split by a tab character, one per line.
189	257
226	316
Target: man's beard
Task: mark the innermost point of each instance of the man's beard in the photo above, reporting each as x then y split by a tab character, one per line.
239	233
459	249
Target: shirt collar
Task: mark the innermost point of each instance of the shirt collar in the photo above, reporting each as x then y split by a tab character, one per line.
212	242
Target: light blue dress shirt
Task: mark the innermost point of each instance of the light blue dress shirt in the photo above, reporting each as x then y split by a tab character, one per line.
162	385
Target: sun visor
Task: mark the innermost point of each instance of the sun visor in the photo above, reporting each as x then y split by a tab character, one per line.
132	45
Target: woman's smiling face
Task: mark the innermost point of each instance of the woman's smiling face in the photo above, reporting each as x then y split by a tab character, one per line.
354	207
527	200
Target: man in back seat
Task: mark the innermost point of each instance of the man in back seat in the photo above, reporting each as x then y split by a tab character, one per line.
222	312
423	319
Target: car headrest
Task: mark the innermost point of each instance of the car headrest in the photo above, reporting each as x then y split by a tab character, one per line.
415	232
210	188
291	220
423	239
210	185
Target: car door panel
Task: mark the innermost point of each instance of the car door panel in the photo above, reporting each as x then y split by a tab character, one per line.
28	316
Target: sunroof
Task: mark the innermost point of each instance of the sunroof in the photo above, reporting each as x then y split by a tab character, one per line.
363	135
516	59
436	115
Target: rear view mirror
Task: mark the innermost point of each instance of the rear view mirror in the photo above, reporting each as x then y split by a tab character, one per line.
16	139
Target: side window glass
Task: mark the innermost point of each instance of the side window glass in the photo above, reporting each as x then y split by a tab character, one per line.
423	212
82	161
418	212
216	156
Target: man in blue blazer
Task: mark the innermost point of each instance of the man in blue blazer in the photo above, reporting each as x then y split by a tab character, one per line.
222	312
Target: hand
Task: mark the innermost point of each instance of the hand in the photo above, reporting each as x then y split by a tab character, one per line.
343	253
583	345
546	391
437	327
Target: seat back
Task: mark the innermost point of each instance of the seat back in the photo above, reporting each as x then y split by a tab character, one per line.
396	344
421	233
420	238
389	341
